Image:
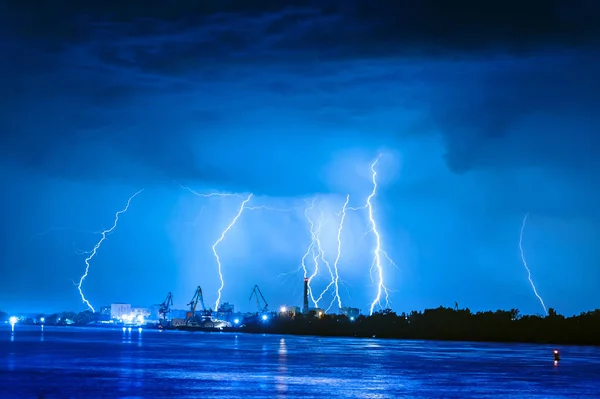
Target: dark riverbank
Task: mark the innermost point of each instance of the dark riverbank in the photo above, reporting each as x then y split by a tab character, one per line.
446	324
432	324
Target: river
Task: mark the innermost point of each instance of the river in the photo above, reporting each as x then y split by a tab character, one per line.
65	362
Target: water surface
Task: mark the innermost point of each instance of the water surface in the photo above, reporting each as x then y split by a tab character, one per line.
68	362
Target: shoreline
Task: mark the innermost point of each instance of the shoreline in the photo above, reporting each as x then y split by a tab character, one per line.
440	324
273	331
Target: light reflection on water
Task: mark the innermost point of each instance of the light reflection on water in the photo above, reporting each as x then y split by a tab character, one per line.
282	371
93	363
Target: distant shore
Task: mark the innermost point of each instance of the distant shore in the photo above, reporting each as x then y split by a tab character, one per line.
444	324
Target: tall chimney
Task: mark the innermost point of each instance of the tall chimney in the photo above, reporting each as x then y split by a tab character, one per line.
305	305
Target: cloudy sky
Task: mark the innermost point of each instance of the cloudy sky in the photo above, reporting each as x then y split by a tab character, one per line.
482	112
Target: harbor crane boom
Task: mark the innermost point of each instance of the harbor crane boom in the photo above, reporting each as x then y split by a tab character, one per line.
165	307
191	318
258	294
198	298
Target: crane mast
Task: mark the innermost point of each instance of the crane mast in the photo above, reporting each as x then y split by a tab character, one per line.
165	308
191	314
259	296
195	299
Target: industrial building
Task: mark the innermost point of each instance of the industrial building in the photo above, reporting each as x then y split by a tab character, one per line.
140	312
119	310
290	311
305	307
225	312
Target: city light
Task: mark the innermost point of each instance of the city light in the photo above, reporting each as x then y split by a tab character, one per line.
264	317
132	318
352	318
236	321
283	309
42	320
13	320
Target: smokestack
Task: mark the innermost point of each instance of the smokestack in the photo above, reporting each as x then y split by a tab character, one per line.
305	305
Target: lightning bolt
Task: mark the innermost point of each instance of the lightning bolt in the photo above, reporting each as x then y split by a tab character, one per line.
316	251
233	222
268	208
214	247
104	233
378	252
525	264
208	195
81	251
315	256
309	250
337	258
319	255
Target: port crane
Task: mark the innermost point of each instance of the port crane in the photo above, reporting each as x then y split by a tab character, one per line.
165	308
256	293
191	315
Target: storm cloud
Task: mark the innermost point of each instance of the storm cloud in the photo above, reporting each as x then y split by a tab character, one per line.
157	87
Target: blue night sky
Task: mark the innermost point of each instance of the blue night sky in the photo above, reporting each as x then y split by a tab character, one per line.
482	112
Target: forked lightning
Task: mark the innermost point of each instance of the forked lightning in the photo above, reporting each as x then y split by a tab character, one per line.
337	258
93	252
214	247
526	266
378	252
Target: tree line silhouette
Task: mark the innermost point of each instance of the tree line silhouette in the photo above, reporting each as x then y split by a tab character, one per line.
446	324
433	324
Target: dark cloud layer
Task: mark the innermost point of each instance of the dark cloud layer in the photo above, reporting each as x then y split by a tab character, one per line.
348	27
542	113
82	74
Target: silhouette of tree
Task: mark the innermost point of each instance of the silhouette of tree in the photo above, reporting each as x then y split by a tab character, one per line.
515	314
440	324
448	324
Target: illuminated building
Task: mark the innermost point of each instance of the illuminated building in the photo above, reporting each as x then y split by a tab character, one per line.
140	312
225	312
294	310
118	310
